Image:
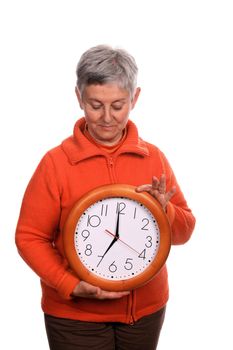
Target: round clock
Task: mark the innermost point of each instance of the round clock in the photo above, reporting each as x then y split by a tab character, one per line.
116	238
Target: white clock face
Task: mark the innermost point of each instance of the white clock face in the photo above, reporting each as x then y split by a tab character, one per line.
117	238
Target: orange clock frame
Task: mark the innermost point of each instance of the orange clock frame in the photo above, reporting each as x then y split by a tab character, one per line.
110	191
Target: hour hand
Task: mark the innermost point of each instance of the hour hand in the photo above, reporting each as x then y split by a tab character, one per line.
110	245
113	241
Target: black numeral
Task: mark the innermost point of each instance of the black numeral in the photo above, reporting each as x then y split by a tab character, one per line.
135	211
120	208
93	220
104	210
128	264
112	268
146	221
100	256
142	255
85	234
88	250
148	244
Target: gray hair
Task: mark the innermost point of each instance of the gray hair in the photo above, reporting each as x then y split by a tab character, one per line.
102	64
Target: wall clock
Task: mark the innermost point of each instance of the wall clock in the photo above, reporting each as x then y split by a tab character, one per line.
116	238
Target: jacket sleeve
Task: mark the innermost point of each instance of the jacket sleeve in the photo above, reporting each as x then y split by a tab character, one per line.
179	214
37	227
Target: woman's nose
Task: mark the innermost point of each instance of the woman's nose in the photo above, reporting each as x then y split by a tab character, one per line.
107	116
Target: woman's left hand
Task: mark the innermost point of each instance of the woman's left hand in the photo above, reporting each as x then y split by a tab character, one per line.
158	190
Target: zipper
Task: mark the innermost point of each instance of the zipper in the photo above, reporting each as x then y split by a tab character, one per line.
131	308
132	319
132	297
110	162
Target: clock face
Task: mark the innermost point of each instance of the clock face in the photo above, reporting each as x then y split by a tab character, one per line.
116	238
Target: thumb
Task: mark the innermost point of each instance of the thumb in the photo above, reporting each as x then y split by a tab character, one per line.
171	193
92	290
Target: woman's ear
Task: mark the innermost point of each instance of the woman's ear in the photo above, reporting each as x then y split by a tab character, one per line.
135	97
79	97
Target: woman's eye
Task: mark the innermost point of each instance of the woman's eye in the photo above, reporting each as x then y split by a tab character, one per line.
96	107
117	107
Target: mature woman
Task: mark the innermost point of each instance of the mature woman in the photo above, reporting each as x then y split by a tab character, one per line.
105	148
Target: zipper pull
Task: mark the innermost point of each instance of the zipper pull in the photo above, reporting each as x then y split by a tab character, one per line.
131	322
111	162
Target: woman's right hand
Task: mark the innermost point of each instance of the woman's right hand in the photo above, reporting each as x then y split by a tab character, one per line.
86	290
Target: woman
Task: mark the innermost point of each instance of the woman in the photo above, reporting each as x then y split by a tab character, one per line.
105	148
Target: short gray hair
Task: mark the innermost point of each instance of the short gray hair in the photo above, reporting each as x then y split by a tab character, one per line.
102	64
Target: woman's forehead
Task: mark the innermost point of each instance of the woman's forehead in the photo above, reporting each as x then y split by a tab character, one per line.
105	92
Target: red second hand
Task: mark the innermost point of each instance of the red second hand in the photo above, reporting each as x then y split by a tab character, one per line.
123	242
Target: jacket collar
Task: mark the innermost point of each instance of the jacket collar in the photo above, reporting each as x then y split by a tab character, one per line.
77	147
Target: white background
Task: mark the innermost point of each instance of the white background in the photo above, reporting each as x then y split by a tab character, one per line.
184	53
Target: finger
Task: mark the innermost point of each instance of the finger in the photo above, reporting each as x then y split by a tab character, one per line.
143	188
112	295
92	291
155	183
162	184
89	291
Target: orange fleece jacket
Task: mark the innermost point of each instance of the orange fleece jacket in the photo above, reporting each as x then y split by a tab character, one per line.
64	175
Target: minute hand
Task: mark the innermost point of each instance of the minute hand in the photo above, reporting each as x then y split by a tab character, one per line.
117	227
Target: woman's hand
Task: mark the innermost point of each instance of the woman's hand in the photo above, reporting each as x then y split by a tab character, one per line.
158	190
86	290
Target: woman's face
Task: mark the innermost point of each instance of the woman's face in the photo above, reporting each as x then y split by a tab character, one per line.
106	108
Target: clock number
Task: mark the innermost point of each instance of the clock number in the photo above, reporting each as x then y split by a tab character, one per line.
112	268
142	255
135	211
128	265
88	250
100	256
146	224
104	210
120	208
85	234
148	244
93	220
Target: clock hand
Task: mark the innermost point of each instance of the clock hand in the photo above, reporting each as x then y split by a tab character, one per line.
117	226
123	242
116	237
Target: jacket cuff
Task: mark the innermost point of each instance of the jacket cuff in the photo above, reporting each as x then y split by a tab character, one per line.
67	285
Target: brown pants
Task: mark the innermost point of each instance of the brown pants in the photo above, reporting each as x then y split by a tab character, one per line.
65	334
